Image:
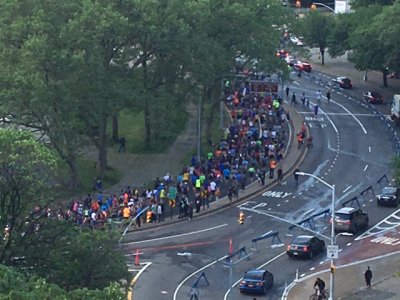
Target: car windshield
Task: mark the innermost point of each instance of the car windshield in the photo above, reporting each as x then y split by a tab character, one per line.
301	240
340	216
346	80
252	276
388	191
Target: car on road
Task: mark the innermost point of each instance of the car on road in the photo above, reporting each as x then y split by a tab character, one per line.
373	97
302	66
350	219
343	82
390	196
256	281
305	246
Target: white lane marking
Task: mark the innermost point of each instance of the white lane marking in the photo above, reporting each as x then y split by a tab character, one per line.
347	189
308	211
258	268
295	82
194	273
365	168
312	269
369	148
352	115
348	244
302	275
380	227
176	235
329	119
286	221
249	217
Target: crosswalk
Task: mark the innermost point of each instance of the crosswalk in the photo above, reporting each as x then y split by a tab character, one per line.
390	222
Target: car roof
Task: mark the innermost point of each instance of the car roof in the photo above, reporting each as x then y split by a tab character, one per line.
346	210
255	272
342	77
389	189
302	238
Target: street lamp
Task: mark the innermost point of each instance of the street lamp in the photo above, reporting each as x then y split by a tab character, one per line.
314	4
333	237
230	264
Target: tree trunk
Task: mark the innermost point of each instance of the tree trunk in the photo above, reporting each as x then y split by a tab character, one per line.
74	175
115	128
384	77
365	75
147	121
102	148
322	51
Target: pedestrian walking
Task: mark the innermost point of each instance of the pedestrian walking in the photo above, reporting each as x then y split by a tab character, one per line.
319	95
303	99
280	175
293	102
328	96
368	277
316	109
122	142
287	92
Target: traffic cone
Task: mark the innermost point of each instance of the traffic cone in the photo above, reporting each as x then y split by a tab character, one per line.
137	257
230	247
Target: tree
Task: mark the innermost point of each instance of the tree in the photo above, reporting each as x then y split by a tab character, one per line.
315	28
89	259
367	51
14	285
27	171
339	37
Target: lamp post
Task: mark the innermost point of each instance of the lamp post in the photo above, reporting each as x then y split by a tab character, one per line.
230	265
333	237
324	5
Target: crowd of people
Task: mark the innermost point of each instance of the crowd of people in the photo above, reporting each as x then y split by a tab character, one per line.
251	148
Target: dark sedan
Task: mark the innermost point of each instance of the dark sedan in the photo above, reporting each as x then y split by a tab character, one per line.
305	246
256	281
373	97
343	82
390	196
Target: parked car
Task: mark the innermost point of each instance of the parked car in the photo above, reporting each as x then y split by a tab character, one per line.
350	219
373	97
343	82
305	246
390	196
302	66
256	281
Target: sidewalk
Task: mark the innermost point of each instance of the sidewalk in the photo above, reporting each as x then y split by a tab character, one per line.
340	66
290	162
350	283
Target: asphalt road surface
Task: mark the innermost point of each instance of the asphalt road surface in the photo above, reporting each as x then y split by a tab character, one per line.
352	150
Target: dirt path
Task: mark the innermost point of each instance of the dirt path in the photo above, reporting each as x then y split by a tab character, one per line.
139	169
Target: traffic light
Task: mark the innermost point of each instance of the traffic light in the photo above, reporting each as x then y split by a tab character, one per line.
313	6
298	3
241	218
333	269
149	215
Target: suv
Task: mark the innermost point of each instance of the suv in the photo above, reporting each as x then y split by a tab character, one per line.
390	196
343	82
350	219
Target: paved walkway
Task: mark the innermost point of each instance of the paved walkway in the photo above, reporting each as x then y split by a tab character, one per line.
349	279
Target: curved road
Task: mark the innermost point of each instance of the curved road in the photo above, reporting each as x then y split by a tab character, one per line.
351	150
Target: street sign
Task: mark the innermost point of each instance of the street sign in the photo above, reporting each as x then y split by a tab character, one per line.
332	251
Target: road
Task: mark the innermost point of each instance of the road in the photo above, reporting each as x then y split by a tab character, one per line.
352	150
